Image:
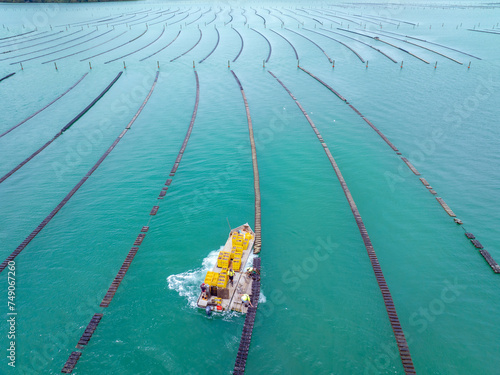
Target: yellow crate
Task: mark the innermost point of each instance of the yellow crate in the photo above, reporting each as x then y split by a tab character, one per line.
223	257
215	277
222	281
245	245
208	278
248	236
236	264
224	263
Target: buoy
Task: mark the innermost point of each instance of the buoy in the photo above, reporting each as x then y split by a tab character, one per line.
228	64
468	66
90	65
401	64
263	63
21	65
219	308
298	63
55	65
435	66
193	65
158	62
367	63
333	64
124	66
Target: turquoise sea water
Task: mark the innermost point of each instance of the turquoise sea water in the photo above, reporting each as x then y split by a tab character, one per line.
321	310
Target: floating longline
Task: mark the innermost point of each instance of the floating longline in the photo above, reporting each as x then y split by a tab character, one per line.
112	49
87	49
447	209
66	127
290	43
161	49
213	50
246	335
268	43
360	41
257	229
313	42
404	351
137	50
242	44
189	50
7	76
73	358
48	105
338	41
49	217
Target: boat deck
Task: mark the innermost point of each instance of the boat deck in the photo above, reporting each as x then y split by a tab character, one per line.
242	283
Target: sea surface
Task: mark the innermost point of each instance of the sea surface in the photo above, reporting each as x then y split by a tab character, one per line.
321	310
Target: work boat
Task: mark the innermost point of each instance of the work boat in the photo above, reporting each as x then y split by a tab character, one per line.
220	294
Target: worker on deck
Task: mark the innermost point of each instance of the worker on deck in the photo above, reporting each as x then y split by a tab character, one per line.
230	273
204	290
245	299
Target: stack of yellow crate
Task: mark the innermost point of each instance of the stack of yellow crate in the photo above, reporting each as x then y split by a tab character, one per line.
237	239
211	278
208	278
237	242
223	272
222	281
237	262
223	259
